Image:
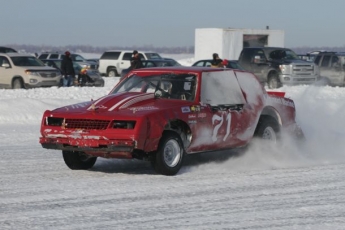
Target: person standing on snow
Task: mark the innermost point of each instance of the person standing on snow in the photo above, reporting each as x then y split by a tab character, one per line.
216	61
136	61
67	70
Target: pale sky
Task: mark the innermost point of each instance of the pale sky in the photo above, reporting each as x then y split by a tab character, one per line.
166	22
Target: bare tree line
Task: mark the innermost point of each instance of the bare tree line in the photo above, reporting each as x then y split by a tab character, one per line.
94	49
167	50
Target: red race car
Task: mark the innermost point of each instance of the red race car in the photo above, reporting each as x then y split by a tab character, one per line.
161	114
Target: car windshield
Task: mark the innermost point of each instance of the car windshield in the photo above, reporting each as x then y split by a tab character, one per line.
153	56
234	65
283	54
26	61
170	86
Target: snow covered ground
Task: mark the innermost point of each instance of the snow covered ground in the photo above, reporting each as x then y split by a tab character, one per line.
282	189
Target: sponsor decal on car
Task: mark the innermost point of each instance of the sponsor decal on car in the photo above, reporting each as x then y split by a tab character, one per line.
143	108
280	100
195	108
185	109
202	115
191	116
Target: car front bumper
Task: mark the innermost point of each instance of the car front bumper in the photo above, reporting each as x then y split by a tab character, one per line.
298	80
97	147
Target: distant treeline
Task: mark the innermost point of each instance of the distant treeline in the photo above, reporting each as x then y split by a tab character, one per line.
166	50
93	49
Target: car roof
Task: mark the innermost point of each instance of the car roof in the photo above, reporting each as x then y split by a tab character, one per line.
212	60
180	69
54	59
17	54
159	60
332	52
129	51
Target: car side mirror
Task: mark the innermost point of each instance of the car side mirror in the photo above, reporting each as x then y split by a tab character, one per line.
5	65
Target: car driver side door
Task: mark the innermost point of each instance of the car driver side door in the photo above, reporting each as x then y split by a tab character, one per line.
221	113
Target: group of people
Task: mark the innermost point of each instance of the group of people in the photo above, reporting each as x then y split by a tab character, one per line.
68	72
136	63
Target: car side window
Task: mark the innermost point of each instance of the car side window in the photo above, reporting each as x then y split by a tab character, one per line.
325	61
54	56
335	61
200	63
127	56
317	60
110	55
43	56
149	64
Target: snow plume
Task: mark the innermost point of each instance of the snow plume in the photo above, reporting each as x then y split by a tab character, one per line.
320	113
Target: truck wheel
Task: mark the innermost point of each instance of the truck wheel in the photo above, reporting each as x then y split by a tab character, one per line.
169	156
267	129
18	84
78	160
112	73
273	81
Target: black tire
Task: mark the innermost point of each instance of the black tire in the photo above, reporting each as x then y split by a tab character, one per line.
78	160
169	156
268	129
273	81
18	84
112	73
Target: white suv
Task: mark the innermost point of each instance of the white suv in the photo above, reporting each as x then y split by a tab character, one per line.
26	71
113	62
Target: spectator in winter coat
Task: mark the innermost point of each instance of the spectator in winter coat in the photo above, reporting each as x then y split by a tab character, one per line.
67	70
216	61
136	61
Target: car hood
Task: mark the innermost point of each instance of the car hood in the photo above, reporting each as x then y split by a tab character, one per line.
125	104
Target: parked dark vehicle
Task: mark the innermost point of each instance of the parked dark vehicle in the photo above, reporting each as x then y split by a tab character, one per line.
232	64
276	66
4	49
95	77
332	67
91	64
165	62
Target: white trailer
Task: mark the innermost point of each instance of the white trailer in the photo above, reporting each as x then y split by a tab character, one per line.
228	43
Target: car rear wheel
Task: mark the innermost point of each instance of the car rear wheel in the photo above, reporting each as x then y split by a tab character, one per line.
267	129
78	160
168	159
112	73
18	84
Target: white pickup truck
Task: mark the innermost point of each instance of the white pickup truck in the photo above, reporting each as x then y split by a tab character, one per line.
113	62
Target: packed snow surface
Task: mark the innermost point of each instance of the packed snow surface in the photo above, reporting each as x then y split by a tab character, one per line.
284	188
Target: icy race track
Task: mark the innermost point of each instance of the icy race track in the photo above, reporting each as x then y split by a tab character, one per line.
282	189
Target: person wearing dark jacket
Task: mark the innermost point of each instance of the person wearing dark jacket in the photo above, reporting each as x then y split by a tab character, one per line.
67	70
216	61
136	61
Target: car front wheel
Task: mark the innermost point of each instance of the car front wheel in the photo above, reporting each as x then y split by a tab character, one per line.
78	160
169	156
18	84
